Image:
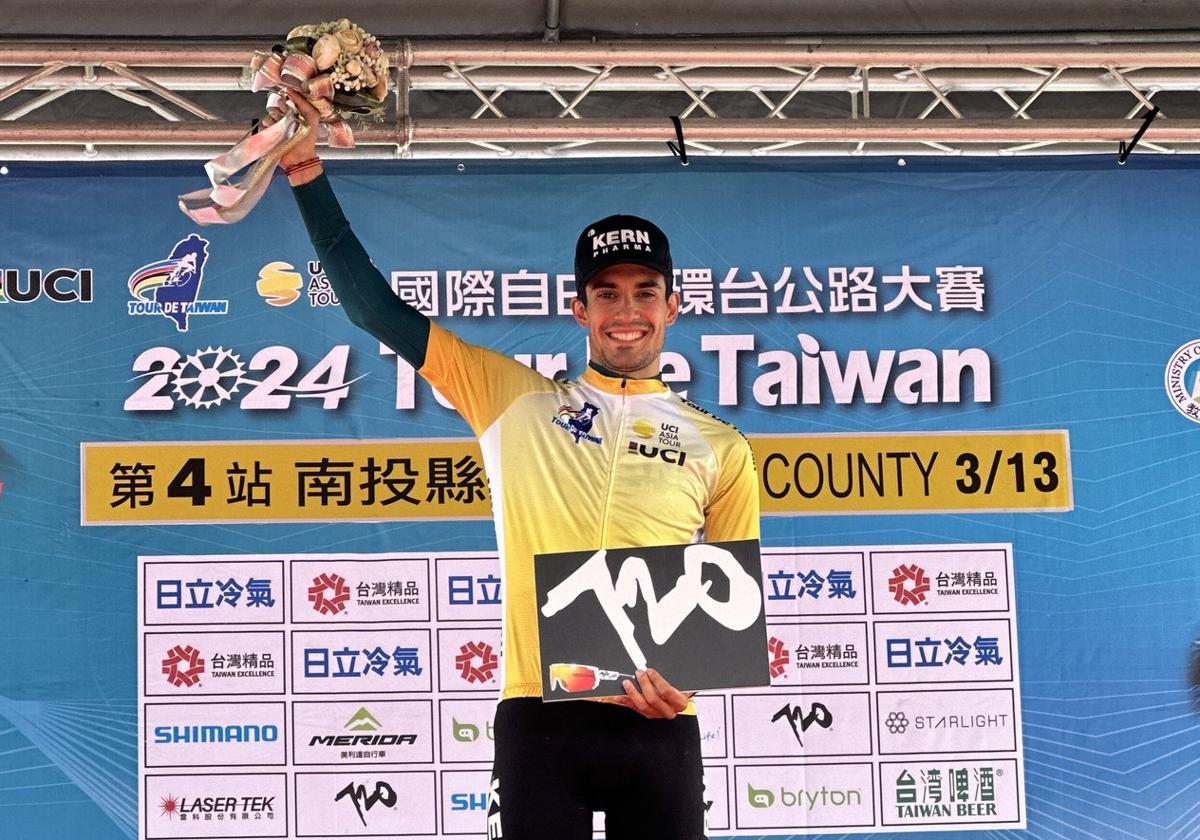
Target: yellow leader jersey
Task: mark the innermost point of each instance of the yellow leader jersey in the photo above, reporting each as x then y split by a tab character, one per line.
598	462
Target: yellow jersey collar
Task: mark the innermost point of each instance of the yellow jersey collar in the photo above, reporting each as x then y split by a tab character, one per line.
611	383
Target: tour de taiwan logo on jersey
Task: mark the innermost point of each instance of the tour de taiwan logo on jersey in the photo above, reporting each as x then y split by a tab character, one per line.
578	421
908	584
170	288
1183	380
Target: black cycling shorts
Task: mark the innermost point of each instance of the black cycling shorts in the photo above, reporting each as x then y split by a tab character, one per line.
557	763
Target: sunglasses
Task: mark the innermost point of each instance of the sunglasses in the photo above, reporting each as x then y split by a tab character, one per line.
575	678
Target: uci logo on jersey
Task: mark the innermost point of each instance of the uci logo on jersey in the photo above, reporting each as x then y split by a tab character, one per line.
670	456
578	421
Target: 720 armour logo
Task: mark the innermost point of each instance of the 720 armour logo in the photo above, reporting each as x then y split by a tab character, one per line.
818	713
666	614
358	795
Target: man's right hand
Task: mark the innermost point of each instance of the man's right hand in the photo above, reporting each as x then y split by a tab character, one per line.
306	148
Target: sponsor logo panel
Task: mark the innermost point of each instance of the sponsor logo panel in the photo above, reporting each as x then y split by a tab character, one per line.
184	663
710	711
801	724
214	806
214	734
966	580
360	591
961	650
808	795
465	795
469	588
818	654
469	658
957	720
366	803
213	591
465	730
363	732
980	791
361	661
813	583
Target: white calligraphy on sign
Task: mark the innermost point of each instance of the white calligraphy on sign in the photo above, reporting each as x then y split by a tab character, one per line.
663	614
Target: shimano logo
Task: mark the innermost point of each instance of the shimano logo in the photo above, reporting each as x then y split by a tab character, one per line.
234	734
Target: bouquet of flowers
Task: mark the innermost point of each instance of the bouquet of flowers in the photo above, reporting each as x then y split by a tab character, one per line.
337	66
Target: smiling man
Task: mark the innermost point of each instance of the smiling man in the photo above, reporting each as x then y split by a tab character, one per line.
612	459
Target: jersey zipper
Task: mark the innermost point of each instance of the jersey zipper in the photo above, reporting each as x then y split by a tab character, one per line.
612	470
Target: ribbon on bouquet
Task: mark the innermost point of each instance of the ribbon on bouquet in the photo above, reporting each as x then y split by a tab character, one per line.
228	199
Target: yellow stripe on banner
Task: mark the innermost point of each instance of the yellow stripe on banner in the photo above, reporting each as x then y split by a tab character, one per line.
276	481
934	472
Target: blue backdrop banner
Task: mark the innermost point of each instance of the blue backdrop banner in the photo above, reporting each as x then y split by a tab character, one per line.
971	388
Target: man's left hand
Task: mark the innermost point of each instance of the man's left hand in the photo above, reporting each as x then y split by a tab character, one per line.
657	698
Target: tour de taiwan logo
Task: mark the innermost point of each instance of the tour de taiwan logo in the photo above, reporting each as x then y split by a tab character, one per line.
1183	380
908	584
170	288
476	662
183	666
578	421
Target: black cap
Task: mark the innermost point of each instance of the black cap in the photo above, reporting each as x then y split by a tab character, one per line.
621	239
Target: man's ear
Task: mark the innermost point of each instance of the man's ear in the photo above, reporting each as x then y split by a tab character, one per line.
579	310
672	307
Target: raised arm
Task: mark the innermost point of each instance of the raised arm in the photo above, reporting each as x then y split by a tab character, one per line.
363	291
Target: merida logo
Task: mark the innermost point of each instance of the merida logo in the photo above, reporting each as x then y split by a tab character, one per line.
625	238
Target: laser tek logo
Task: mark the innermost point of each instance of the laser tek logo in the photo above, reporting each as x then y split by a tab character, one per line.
170	288
229	808
60	285
780	656
329	594
183	666
908	584
476	662
578	421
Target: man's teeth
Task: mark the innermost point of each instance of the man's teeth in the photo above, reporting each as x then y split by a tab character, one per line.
627	336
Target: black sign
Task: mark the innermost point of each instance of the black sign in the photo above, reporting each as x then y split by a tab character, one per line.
692	612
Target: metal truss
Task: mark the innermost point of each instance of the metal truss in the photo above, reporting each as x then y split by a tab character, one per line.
539	99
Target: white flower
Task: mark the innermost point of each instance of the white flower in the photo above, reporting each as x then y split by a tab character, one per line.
351	40
326	51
